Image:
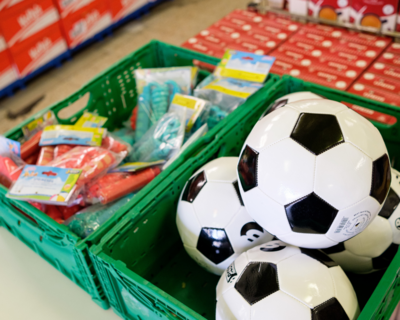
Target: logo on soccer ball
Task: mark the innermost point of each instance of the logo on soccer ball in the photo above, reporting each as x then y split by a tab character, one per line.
251	226
231	273
397	223
273	246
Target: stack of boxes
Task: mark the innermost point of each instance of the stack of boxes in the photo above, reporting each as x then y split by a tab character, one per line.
82	19
243	30
35	32
328	56
382	80
32	32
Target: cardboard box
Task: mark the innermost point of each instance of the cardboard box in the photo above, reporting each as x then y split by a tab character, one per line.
385	70
324	30
375	14
325	56
23	20
283	67
86	22
39	50
67	7
251	45
204	47
122	8
372	114
394	47
366	39
315	40
381	82
272	32
239	22
5	4
216	38
375	94
8	75
3	44
225	27
356	48
390	58
330	10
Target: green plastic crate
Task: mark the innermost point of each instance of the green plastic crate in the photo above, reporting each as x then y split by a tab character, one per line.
142	263
112	94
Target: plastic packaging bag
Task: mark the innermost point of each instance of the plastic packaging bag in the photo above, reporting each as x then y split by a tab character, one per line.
162	141
115	185
156	89
94	162
90	219
113	143
46	155
226	93
11	164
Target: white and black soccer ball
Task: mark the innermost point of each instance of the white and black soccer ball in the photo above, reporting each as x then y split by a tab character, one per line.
290	98
277	281
314	173
212	221
375	247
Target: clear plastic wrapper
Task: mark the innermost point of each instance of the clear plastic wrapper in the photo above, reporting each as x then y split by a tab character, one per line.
91	218
31	146
126	134
113	143
46	155
115	185
94	162
11	164
226	93
156	89
162	141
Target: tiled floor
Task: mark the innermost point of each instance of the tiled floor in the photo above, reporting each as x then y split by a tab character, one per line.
173	22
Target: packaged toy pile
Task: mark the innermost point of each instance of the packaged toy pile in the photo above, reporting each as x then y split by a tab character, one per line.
315	175
81	174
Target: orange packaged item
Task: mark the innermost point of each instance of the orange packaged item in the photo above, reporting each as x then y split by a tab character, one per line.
45	156
61	149
9	169
54	213
116	185
67	212
32	159
31	146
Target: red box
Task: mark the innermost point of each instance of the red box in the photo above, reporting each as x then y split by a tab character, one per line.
7	72
250	45
376	14
375	94
39	50
385	70
204	47
394	47
239	22
314	39
329	9
390	58
5	4
381	82
398	21
67	7
214	37
356	48
283	67
366	39
279	32
329	66
324	30
25	19
122	8
372	114
3	44
86	22
225	27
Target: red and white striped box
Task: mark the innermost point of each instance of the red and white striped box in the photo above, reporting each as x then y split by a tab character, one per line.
239	21
272	32
394	47
39	50
8	74
390	58
314	39
250	45
366	39
67	7
375	94
5	4
381	82
283	67
372	114
357	48
385	70
340	69
204	47
86	22
323	30
23	20
281	33
122	8
225	27
326	56
215	37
